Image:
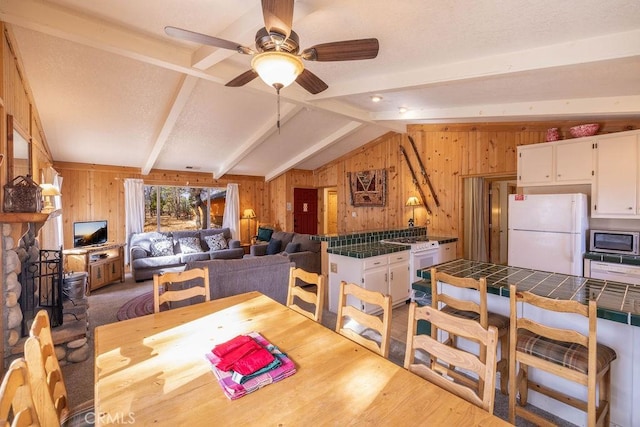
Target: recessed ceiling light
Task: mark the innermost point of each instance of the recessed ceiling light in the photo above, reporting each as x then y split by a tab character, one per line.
402	110
376	98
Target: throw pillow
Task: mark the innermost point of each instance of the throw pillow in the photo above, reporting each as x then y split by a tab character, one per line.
216	242
292	248
161	247
190	245
264	234
274	246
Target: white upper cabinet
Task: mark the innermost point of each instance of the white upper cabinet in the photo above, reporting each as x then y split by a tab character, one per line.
535	164
556	163
574	161
615	186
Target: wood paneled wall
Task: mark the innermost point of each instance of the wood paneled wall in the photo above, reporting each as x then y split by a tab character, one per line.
92	192
450	153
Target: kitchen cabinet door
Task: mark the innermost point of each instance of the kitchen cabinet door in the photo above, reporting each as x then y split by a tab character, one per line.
574	161
535	164
376	279
399	277
616	177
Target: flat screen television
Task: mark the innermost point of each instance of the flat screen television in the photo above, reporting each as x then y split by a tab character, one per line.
88	233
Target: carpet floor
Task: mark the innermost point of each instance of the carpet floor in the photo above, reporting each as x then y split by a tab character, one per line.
129	299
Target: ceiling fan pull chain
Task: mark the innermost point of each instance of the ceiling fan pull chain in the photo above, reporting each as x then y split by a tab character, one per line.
278	86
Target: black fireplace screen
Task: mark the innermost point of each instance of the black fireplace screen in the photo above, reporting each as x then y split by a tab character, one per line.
42	288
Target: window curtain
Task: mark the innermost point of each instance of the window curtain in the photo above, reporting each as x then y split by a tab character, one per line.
231	219
474	235
52	236
134	210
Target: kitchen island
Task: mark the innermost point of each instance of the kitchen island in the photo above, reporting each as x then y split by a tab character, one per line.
618	326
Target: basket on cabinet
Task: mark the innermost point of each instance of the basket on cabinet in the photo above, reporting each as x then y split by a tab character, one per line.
22	194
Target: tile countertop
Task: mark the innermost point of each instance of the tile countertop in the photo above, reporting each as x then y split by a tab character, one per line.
619	302
612	258
366	250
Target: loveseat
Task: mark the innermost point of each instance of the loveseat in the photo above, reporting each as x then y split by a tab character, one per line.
153	252
266	274
298	248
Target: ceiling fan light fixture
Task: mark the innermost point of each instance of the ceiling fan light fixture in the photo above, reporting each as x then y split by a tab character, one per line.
277	69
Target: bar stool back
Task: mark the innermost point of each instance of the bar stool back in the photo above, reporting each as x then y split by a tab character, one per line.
563	352
472	310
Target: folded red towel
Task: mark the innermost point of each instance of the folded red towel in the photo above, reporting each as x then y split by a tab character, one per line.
228	360
224	348
253	361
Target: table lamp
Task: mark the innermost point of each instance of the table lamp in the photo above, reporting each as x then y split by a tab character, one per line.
248	214
48	191
413	201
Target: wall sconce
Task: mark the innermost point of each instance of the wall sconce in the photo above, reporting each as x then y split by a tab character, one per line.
48	192
413	201
248	214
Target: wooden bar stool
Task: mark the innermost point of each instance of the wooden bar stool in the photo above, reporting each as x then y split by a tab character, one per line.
474	311
563	352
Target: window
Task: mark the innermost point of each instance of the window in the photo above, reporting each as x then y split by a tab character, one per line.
183	208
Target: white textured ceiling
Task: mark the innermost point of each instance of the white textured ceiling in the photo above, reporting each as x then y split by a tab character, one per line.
112	88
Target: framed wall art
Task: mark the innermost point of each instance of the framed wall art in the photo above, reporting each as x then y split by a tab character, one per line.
368	188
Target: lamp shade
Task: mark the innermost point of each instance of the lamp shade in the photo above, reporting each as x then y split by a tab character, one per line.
49	190
277	69
248	214
413	201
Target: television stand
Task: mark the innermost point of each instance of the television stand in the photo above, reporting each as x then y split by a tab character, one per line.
103	263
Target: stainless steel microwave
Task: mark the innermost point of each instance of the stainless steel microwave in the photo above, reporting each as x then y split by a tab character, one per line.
614	241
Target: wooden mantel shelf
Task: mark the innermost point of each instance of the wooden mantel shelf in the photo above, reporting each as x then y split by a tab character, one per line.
26	218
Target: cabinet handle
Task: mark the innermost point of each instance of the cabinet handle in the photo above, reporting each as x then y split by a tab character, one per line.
386	277
546	176
392	275
630	208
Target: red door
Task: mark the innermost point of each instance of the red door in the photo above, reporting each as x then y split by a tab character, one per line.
305	210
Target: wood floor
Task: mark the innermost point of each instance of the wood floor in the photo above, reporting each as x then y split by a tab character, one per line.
399	322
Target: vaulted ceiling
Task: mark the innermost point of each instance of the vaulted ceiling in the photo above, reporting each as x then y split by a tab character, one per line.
112	88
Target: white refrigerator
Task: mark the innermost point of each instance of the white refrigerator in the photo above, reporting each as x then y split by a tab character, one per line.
548	232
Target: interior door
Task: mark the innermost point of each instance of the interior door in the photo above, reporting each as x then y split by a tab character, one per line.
305	210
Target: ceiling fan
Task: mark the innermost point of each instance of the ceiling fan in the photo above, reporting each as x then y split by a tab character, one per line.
275	58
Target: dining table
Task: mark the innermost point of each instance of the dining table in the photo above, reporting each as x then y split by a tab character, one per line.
152	370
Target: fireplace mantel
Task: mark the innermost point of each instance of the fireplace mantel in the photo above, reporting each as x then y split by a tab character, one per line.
26	218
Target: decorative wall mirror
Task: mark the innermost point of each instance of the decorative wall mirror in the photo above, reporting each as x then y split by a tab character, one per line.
18	150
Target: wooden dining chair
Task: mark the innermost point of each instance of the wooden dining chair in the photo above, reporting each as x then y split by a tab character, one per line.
560	351
302	291
16	403
195	283
458	371
46	380
382	326
469	309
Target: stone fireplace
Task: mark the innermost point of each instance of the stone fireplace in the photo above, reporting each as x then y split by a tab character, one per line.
33	280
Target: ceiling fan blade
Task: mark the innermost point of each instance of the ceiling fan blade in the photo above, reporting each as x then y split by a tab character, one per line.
278	16
199	38
347	50
311	82
243	79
